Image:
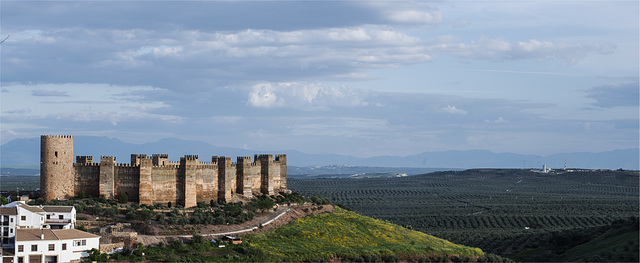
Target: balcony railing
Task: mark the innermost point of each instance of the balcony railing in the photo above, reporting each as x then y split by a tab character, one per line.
57	221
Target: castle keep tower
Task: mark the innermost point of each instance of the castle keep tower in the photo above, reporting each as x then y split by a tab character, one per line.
57	175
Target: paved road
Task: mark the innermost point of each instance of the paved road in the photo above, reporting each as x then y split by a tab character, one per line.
230	232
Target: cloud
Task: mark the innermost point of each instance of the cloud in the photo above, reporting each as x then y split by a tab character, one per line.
615	95
81	102
264	96
453	110
415	16
406	12
49	93
502	49
308	96
179	59
158	51
497	121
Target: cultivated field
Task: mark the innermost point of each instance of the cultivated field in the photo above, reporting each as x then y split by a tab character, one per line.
513	213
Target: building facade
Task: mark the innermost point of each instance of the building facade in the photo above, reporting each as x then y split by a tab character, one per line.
27	234
154	179
53	245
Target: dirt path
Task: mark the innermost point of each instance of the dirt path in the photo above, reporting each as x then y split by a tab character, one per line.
282	216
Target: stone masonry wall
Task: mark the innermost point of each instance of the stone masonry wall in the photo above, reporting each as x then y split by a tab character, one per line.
165	184
127	180
207	183
107	176
87	179
56	163
145	184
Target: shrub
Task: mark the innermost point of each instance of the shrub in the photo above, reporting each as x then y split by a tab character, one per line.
197	239
123	197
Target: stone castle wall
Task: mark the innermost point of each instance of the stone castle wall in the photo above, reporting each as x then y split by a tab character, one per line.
151	180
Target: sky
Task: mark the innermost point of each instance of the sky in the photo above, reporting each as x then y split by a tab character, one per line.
361	78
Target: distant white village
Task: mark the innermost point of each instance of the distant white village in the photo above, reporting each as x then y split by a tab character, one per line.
43	234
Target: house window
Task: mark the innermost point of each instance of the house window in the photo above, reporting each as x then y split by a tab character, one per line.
34	247
11	230
48	216
84	242
60	217
64	246
23	218
56	153
20	248
20	259
52	247
11	220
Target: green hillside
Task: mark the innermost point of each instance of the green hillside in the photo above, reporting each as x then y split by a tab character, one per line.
345	234
616	245
617	242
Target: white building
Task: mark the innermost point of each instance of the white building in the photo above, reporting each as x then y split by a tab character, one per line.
42	234
8	222
18	215
60	217
53	245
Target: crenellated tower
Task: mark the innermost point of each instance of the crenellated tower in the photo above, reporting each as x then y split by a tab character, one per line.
107	176
281	159
189	163
57	175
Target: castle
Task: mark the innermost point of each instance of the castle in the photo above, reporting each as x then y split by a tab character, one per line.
155	179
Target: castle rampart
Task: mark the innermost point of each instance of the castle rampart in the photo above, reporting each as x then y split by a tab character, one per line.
154	179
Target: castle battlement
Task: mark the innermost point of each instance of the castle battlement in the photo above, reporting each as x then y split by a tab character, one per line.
84	159
58	136
152	179
191	157
86	164
207	165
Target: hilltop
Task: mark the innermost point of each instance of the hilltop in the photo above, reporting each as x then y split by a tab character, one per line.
332	236
343	234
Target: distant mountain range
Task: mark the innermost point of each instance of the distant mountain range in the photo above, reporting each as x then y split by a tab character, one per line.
26	153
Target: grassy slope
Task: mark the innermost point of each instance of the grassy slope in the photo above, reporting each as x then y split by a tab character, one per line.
617	243
347	234
610	246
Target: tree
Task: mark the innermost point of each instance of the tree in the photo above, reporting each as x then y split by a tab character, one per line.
197	239
95	255
264	203
145	214
3	200
123	197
